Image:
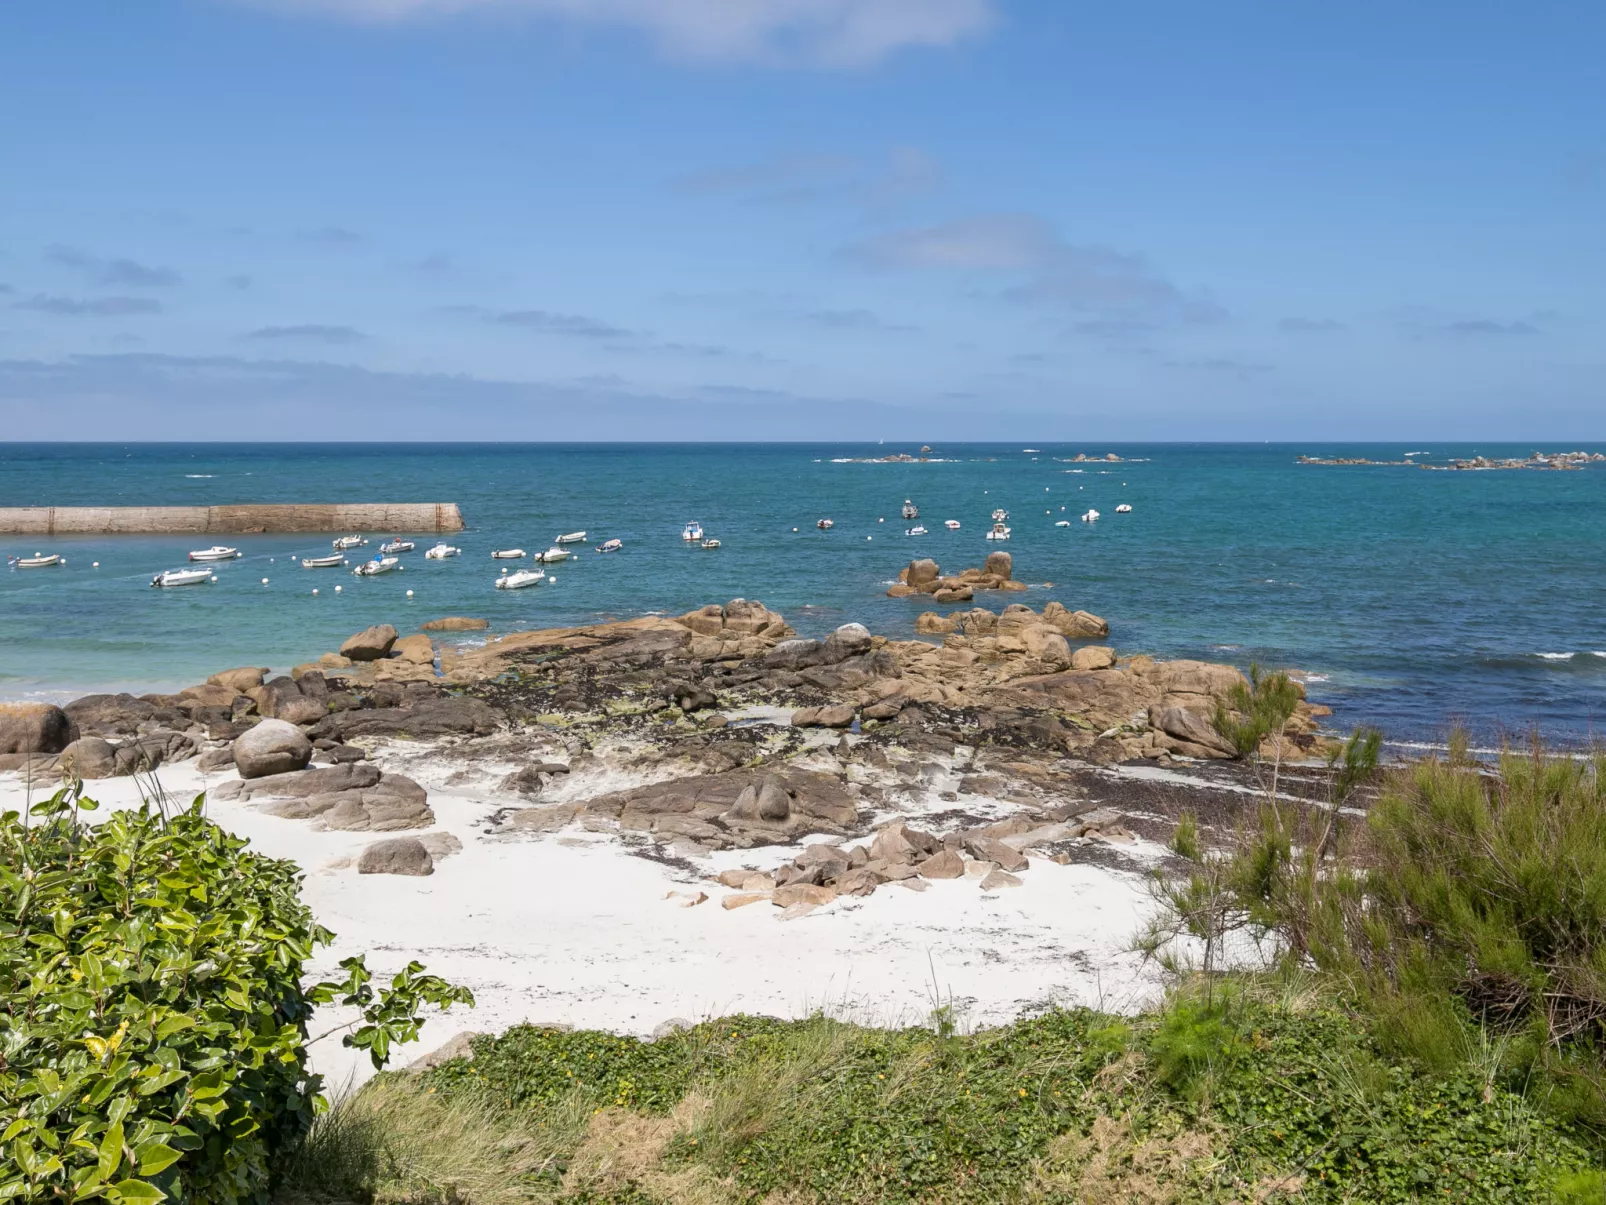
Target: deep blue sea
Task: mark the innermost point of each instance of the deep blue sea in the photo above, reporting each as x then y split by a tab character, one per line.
1413	599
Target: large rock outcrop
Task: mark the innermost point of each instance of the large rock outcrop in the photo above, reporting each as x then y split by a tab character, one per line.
271	747
35	728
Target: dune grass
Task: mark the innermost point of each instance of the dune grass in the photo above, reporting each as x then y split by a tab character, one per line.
1261	1090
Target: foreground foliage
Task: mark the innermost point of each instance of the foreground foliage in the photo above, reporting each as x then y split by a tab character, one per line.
153	1022
1254	1093
1464	914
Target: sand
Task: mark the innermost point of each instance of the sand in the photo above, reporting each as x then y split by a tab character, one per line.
574	928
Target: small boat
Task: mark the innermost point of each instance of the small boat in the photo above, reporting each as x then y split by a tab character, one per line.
999	532
952	524
916	530
1124	509
38	560
508	554
553	555
397	545
380	564
521	579
910	510
1000	515
345	542
217	552
440	552
610	546
692	533
1090	516
183	577
1063	523
574	537
710	543
825	524
333	561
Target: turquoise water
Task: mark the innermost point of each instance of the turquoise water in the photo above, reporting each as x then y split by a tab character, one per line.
1412	598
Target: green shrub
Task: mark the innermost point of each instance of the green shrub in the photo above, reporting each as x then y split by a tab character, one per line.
153	1021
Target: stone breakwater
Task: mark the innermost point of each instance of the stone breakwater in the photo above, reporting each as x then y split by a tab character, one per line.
717	730
239	519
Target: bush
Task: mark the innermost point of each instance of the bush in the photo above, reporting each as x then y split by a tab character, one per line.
153	1022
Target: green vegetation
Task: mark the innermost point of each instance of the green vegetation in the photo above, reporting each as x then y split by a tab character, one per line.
1263	1091
153	1018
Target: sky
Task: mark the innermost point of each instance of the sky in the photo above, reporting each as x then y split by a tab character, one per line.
787	219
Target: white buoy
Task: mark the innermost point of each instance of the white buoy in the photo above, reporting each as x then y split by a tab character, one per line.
315	589
869	537
794	529
264	581
337	589
214	577
504	570
882	520
409	594
94	564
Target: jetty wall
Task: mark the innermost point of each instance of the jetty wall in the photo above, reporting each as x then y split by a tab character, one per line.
379	517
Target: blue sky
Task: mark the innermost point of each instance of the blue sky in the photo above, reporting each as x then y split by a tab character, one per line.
801	218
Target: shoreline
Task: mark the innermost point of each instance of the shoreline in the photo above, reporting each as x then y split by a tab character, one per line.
611	820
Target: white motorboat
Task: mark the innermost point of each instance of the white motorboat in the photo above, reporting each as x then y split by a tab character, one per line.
1124	509
345	542
952	524
1063	523
574	537
333	561
910	510
1000	515
38	560
397	545
610	546
521	579
999	532
692	532
380	564
508	554
826	524
553	555
916	530
217	552
1090	516
183	577
710	543
441	551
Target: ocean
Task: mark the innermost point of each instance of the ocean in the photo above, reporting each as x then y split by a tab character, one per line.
1411	600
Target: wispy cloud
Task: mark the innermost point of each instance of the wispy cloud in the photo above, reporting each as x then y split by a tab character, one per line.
547	323
240	282
330	236
93	307
829	33
1046	269
1312	326
1426	327
313	332
854	320
1219	364
114	271
903	173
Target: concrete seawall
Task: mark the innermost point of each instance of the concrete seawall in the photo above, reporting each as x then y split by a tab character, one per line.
378	517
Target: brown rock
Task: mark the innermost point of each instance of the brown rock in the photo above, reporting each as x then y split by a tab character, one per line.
271	747
831	860
929	623
862	881
35	728
990	849
88	757
1043	643
1189	726
944	865
764	800
1000	565
1075	625
742	899
953	594
455	623
370	644
921	573
1093	656
208	695
802	893
238	680
886	709
998	879
400	855
900	590
417	649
